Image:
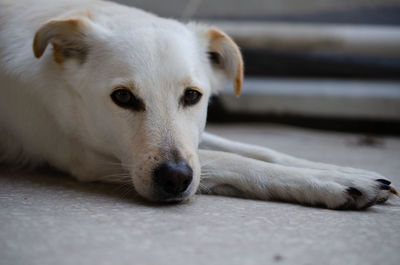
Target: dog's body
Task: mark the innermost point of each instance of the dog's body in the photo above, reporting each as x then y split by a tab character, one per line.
121	95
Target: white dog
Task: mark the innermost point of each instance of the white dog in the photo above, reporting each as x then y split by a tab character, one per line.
120	95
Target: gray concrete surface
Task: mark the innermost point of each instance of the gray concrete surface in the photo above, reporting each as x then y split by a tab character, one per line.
48	218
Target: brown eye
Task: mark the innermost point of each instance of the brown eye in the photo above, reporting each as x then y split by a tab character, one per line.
124	98
191	97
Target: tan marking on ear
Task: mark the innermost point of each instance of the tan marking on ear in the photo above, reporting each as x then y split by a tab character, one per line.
57	54
66	36
38	47
217	41
239	79
214	36
51	30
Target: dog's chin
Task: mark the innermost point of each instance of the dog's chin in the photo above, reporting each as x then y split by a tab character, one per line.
166	198
162	197
171	200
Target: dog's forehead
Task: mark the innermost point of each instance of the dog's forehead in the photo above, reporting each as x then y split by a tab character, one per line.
164	54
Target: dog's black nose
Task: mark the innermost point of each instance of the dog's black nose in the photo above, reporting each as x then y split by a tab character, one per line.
173	178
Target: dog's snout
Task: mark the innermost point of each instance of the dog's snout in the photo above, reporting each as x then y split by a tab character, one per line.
173	178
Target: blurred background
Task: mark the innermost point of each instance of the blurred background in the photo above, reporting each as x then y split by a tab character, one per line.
322	64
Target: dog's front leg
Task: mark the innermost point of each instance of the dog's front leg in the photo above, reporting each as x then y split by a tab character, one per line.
234	175
213	142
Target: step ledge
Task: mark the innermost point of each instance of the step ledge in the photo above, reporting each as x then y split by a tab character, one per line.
317	97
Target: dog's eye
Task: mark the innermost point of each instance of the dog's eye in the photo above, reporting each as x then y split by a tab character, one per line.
124	98
191	97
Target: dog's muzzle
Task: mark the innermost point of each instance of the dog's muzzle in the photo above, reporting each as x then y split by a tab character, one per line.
171	181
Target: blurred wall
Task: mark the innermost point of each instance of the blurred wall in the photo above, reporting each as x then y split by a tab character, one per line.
350	11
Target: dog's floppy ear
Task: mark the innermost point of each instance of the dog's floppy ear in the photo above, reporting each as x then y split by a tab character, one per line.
67	38
225	55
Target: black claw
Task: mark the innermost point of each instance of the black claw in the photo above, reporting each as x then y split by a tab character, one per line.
354	192
384	187
384	181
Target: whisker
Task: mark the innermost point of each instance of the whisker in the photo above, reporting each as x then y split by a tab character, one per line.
124	189
204	188
122	177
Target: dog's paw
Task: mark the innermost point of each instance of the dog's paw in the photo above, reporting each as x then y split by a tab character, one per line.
357	199
355	192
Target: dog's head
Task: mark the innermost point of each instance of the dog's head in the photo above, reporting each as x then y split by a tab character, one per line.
141	90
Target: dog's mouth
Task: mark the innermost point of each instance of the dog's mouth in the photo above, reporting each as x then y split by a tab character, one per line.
163	197
168	200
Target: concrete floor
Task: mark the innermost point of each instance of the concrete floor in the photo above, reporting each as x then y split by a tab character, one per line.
48	218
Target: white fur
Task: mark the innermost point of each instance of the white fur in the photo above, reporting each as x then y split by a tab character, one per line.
62	114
